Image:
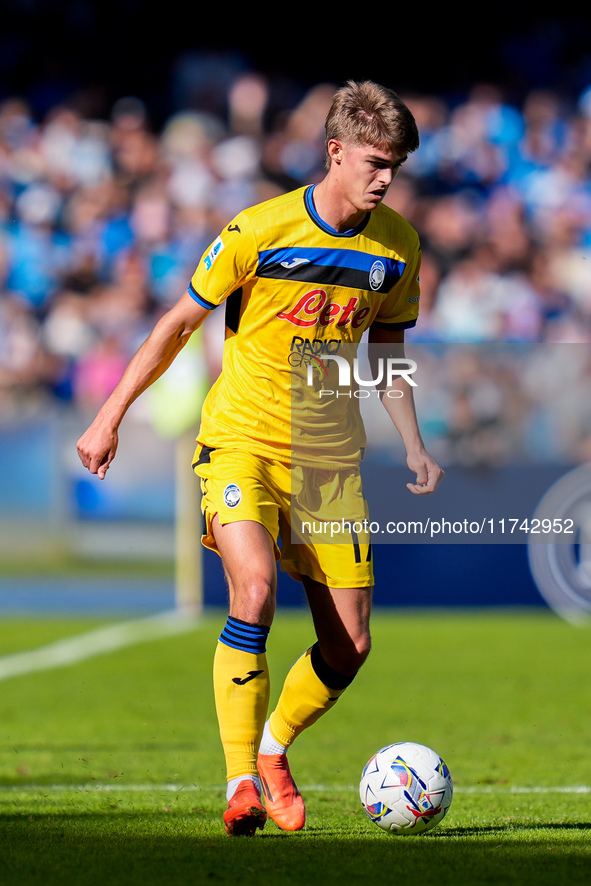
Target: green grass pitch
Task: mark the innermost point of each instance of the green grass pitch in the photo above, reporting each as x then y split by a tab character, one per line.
111	770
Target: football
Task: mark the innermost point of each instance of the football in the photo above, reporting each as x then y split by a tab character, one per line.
406	788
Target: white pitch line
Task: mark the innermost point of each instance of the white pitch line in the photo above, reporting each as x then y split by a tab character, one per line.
517	789
98	642
313	788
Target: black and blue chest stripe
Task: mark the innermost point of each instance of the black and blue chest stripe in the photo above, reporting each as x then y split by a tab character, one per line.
348	268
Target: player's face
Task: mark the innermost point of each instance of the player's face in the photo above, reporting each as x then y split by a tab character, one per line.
365	172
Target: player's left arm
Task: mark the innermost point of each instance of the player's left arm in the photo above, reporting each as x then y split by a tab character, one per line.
403	414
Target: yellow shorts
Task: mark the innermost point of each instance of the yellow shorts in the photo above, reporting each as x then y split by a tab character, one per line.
237	485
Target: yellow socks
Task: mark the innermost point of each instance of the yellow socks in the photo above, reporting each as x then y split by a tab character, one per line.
241	690
311	688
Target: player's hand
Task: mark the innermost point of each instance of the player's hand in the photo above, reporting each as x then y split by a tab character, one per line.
428	472
97	448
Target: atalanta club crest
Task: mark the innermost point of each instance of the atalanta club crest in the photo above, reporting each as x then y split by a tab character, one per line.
377	275
232	495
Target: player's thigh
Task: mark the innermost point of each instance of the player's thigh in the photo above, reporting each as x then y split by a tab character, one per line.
248	555
241	523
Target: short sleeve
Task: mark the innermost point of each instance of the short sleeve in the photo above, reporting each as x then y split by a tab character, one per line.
229	262
400	307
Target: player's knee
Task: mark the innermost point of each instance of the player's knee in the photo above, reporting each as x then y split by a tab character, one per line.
254	600
348	658
360	650
364	648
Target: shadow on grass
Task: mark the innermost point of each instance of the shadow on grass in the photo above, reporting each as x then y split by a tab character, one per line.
113	846
479	830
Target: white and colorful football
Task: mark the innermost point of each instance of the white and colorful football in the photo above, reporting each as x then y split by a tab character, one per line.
406	788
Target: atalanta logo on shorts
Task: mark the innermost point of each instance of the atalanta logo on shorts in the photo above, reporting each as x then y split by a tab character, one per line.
232	495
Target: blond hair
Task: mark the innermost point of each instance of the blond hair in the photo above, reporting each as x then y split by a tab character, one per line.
369	114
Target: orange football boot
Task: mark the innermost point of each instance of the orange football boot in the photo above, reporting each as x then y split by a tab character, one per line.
245	812
283	801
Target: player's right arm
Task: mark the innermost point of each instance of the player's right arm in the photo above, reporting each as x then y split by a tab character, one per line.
98	445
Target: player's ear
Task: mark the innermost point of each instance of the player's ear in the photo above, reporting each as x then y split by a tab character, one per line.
335	150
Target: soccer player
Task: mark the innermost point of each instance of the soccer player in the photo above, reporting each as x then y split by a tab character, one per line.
309	270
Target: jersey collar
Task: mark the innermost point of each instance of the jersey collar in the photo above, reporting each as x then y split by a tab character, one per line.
328	229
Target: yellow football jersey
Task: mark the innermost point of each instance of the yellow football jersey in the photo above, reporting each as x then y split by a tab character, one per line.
295	292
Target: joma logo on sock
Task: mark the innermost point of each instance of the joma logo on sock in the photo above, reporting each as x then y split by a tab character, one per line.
240	681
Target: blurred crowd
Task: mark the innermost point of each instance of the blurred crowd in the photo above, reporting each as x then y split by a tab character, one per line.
102	221
490	404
